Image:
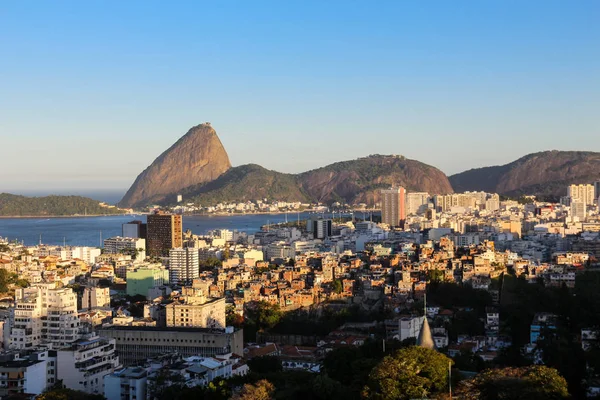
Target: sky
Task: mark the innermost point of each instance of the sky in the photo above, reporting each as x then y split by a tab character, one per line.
91	92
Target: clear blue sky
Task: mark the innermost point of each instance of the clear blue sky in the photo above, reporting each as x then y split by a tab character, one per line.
92	91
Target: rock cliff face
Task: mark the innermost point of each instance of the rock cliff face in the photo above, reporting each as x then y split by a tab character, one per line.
359	180
197	157
546	173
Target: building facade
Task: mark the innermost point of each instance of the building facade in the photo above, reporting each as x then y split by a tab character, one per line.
164	233
136	344
393	206
208	315
184	265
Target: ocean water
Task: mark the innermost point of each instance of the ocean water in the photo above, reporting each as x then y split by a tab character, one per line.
88	231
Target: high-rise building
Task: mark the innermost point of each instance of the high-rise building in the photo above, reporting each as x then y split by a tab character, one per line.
184	265
416	202
578	210
165	232
581	194
135	229
319	227
597	191
44	315
393	207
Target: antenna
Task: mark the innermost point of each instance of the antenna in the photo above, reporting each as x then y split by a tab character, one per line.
64	241
40	239
100	239
425	303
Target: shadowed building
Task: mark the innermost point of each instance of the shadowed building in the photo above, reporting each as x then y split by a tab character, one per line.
164	233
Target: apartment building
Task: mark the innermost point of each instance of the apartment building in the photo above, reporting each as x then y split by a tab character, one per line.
207	315
164	232
184	265
393	206
83	365
136	247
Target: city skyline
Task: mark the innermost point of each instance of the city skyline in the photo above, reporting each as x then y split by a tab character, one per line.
118	88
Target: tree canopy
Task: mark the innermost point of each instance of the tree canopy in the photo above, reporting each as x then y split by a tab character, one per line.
531	383
412	372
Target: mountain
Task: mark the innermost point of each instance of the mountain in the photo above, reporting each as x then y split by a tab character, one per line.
348	181
547	173
15	205
246	182
359	180
197	157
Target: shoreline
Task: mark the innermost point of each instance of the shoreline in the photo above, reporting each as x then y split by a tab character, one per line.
216	214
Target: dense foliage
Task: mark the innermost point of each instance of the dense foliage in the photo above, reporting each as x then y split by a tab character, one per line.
527	383
412	372
247	182
68	394
14	205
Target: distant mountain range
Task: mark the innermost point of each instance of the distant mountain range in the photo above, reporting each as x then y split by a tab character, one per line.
197	167
547	173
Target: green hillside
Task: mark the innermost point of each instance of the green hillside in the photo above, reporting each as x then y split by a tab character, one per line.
16	205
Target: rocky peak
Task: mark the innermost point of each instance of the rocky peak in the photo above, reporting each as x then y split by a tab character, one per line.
197	157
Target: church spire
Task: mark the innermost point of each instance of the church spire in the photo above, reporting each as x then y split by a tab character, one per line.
425	339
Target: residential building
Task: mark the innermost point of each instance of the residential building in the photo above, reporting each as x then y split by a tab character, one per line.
540	323
135	229
208	315
184	265
95	297
416	202
140	279
135	247
578	210
319	227
165	232
126	384
393	207
581	194
22	377
83	365
44	315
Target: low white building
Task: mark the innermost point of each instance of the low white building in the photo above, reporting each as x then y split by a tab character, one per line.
126	384
83	365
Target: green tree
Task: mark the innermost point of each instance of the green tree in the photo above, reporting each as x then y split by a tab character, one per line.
412	372
68	394
531	383
261	390
337	286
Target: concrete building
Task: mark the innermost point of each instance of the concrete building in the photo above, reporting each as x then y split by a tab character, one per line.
126	384
135	247
22	376
140	279
165	232
578	210
581	194
410	327
136	344
319	227
184	266
44	315
95	297
134	229
393	206
416	202
83	365
208	315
